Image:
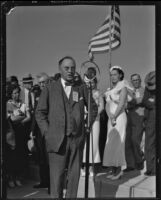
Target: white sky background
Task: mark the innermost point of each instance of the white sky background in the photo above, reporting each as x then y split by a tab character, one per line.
38	36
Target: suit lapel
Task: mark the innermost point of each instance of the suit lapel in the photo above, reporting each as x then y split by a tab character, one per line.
58	93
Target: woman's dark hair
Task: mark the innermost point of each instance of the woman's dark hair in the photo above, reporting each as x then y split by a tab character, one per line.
120	72
10	90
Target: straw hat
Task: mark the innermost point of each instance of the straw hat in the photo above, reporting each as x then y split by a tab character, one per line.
150	81
27	79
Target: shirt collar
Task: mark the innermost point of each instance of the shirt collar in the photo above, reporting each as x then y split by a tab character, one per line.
63	82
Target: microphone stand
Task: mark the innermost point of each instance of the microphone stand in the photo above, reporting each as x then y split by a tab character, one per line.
88	140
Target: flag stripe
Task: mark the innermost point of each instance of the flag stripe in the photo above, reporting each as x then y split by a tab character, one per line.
103	41
100	42
106	43
105	33
106	28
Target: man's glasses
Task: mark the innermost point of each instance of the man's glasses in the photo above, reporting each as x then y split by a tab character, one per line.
42	82
135	79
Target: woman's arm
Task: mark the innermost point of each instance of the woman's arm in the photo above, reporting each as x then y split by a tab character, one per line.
27	118
122	102
100	104
17	118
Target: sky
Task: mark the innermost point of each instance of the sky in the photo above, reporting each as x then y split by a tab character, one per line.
39	36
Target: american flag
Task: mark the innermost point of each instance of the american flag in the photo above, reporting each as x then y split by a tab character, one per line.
100	42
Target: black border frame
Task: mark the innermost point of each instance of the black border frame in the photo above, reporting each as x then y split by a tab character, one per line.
6	6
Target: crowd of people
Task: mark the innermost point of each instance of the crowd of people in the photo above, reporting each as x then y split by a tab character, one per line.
49	119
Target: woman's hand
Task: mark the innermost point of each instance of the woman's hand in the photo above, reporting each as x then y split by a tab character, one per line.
113	121
17	118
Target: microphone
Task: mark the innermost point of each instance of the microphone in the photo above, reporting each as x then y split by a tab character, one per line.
89	72
90	75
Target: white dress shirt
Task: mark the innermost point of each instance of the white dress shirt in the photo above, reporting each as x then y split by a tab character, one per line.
67	89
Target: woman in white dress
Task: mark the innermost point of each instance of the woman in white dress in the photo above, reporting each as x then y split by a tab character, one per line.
116	100
94	135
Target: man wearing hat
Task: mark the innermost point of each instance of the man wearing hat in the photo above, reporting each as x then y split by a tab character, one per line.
150	112
26	95
28	98
135	127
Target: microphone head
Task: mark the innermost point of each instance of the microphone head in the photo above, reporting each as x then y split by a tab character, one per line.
89	71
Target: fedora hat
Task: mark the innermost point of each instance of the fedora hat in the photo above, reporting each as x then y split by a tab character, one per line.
27	79
150	81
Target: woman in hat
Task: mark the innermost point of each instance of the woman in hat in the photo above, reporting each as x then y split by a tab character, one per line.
149	103
116	100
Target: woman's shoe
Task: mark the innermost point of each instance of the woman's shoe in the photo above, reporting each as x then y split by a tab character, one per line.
11	184
110	174
18	182
118	176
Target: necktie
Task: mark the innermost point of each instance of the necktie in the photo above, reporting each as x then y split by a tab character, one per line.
67	83
30	100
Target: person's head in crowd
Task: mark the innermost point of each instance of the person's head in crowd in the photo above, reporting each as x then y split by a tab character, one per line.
13	80
56	76
42	79
36	90
27	82
116	74
67	67
14	92
136	80
77	79
150	81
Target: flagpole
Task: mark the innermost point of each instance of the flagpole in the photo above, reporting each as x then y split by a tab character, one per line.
110	50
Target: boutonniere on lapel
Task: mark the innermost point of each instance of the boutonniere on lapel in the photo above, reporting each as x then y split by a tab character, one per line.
75	96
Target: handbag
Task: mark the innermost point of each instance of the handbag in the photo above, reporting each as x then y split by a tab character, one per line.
31	144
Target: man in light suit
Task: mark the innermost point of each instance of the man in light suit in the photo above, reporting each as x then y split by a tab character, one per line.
26	95
60	116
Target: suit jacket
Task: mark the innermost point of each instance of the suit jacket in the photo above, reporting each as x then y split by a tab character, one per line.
150	107
51	118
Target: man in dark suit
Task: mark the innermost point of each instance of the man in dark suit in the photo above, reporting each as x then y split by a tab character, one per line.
135	127
149	101
60	116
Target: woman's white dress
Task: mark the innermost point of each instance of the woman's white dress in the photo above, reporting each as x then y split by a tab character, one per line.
95	133
114	152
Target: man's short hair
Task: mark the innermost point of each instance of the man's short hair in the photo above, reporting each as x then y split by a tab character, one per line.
135	75
66	57
42	74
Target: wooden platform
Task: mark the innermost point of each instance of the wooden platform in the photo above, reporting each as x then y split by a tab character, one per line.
132	184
